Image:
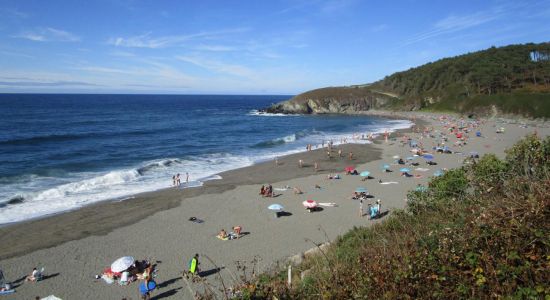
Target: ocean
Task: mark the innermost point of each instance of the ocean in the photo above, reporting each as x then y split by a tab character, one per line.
62	152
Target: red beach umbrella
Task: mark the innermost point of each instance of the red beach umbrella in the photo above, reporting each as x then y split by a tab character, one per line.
310	204
349	168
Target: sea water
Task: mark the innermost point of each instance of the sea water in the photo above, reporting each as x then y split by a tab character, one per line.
61	152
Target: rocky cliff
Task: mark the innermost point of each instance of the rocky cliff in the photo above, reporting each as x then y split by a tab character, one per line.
335	100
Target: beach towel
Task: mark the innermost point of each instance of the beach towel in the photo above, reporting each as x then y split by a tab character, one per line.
195	220
7	292
422	169
390	182
223	239
328	204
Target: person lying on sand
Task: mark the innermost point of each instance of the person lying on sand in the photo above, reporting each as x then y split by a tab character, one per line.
34	276
297	191
222	234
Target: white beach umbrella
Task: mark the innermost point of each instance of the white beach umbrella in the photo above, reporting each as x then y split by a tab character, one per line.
122	264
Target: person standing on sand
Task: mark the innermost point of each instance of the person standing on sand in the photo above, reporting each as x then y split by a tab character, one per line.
174	180
316	167
361	207
186	177
351	155
193	266
301	163
178	181
340	152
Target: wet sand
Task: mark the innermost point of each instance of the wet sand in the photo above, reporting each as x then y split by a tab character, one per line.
102	218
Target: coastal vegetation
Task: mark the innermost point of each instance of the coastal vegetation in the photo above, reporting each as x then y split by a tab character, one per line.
513	79
480	231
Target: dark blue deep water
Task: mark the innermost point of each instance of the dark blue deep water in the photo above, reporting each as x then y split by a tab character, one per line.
60	152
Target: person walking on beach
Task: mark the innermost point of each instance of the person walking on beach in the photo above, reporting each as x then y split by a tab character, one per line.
178	179
340	152
186	177
174	180
361	207
351	155
301	163
316	166
193	267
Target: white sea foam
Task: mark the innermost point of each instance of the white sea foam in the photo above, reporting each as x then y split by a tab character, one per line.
256	112
48	195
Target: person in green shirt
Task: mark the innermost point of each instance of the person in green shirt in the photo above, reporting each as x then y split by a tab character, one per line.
193	266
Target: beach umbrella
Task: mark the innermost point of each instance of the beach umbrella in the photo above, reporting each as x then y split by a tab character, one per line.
310	204
122	264
385	166
360	190
276	207
404	170
428	156
365	173
438	173
349	168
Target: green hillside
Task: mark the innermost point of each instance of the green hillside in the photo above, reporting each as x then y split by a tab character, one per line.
511	80
516	79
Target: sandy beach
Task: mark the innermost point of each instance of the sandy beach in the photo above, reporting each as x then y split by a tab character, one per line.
75	246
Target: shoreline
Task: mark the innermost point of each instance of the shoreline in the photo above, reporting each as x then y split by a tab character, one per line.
49	230
170	238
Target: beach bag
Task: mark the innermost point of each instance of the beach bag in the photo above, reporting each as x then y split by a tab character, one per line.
146	289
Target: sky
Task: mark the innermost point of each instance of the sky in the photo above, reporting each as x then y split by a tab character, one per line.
243	47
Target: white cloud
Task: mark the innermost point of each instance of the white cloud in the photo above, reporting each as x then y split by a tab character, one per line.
218	66
148	41
48	34
216	48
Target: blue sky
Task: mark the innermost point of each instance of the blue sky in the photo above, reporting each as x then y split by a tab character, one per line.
243	47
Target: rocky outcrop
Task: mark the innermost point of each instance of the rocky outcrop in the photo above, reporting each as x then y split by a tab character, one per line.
334	100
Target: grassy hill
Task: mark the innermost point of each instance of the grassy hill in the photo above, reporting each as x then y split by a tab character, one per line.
513	80
479	232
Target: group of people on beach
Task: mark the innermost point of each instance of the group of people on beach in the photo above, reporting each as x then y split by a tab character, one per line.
176	181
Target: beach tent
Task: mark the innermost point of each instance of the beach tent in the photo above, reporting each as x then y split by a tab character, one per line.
122	264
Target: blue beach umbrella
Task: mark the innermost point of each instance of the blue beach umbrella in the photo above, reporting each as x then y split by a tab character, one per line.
438	173
385	166
275	207
365	173
360	190
404	170
428	156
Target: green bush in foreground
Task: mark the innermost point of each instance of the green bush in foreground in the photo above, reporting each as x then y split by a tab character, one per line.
479	232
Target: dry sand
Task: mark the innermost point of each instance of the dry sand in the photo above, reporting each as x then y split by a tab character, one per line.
156	225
